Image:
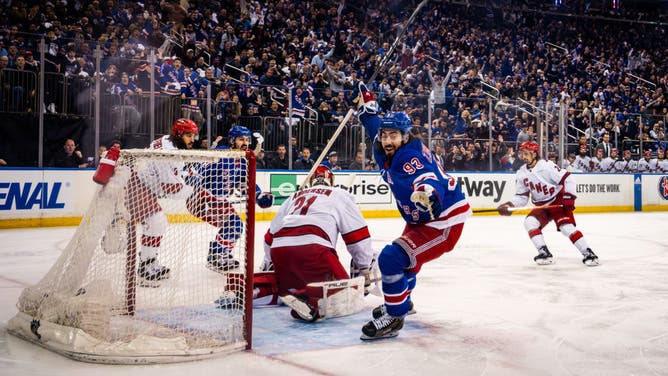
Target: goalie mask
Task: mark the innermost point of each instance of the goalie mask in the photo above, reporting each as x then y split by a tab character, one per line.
322	176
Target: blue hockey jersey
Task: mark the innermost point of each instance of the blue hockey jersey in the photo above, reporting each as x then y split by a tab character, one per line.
413	165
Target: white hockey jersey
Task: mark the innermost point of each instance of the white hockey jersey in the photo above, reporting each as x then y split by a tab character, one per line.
625	165
162	143
581	163
317	215
163	178
595	165
608	164
661	165
543	183
645	165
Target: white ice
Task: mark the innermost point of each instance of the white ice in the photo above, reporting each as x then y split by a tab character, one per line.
483	309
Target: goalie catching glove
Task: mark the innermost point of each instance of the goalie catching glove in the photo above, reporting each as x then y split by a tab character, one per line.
426	199
363	271
267	266
366	101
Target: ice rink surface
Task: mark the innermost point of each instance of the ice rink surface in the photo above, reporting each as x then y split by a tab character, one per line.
483	309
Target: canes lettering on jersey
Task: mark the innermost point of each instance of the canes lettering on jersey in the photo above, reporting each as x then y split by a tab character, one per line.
538	181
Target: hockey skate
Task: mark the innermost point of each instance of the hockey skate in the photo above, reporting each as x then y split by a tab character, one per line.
230	300
590	258
301	308
382	310
544	256
151	273
220	259
385	326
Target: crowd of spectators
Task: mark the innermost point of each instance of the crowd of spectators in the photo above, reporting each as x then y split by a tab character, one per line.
609	73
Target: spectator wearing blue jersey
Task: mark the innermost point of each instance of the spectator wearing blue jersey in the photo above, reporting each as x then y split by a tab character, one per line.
332	161
429	200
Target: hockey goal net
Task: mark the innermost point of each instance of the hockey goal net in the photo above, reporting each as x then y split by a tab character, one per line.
95	305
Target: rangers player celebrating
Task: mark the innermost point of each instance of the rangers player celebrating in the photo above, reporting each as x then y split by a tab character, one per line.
429	200
145	186
304	233
215	183
547	184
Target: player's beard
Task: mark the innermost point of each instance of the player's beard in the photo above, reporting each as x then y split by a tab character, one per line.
179	143
390	150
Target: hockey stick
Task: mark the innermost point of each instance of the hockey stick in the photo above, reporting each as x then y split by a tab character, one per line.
519	208
327	147
351	111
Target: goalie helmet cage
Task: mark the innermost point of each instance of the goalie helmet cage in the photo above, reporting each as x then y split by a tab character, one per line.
92	305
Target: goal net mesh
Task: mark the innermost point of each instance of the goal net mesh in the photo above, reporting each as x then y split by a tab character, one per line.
140	280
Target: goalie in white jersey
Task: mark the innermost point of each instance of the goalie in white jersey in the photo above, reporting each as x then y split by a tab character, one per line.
300	249
548	185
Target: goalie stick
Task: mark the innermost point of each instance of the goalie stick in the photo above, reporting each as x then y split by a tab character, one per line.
514	209
350	113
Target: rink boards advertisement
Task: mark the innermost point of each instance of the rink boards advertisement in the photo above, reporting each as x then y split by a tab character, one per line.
48	197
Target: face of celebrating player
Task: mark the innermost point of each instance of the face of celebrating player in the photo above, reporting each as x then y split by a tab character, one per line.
391	140
529	157
188	140
241	143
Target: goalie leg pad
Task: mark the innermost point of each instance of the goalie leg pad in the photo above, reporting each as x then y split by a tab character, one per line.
337	298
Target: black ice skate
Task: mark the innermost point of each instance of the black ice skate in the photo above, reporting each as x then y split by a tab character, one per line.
220	259
385	326
230	300
151	273
381	310
544	256
590	258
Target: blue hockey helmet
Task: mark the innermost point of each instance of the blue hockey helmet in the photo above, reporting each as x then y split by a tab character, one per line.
238	131
396	120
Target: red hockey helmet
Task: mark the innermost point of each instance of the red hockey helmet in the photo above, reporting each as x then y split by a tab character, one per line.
322	176
529	145
182	126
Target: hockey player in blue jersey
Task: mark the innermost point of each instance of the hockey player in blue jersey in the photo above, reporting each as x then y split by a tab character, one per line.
216	184
429	200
